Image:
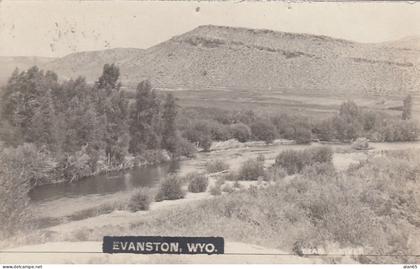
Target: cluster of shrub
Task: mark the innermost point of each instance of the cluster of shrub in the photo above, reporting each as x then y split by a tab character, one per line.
352	122
371	206
202	126
170	188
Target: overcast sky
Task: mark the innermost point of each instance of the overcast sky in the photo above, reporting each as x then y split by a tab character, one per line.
53	28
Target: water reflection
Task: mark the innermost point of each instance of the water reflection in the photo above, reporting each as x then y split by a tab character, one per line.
104	184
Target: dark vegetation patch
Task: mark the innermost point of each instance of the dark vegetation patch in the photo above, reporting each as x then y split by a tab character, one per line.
170	188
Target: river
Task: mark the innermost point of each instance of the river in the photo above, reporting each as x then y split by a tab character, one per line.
148	176
144	176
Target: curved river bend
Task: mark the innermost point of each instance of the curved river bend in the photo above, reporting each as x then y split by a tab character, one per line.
144	176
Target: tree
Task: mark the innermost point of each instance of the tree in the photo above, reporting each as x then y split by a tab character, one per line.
241	132
83	126
303	135
115	138
169	135
112	104
43	122
264	130
349	121
407	107
200	134
349	111
108	81
144	120
23	96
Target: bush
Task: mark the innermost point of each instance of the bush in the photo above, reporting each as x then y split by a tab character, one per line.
303	135
215	190
198	183
245	116
186	148
20	168
170	188
219	132
227	188
140	200
251	170
400	130
241	132
319	154
264	130
199	133
216	166
319	170
296	128
293	161
275	173
361	143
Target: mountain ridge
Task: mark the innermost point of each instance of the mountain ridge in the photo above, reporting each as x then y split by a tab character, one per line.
213	57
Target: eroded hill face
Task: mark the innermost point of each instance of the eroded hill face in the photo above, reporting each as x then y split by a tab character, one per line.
238	58
215	57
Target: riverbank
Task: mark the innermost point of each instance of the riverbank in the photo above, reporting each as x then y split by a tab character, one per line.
125	222
80	161
233	153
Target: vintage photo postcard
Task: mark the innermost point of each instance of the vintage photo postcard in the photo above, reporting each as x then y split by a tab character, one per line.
209	132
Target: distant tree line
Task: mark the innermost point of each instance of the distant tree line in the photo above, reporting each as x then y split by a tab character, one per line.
204	125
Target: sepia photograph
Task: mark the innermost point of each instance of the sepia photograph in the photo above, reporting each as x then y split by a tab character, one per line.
194	132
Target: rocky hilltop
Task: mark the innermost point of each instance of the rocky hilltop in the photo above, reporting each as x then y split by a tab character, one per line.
219	57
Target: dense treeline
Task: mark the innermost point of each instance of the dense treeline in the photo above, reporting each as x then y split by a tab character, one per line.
85	129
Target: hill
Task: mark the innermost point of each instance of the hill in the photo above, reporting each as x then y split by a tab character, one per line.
9	64
406	43
219	57
90	63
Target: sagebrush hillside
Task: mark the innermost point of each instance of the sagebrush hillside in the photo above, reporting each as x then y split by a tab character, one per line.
406	43
218	57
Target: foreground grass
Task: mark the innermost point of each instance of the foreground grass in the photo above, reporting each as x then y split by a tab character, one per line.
373	205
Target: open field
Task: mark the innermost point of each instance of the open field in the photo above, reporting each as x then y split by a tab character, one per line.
311	105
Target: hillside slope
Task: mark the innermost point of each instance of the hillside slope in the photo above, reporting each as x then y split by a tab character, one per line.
218	57
90	63
406	43
9	64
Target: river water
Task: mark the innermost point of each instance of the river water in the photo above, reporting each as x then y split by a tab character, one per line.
145	176
148	176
